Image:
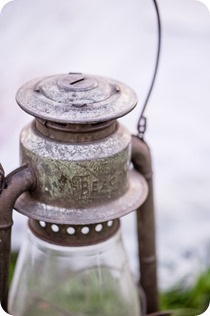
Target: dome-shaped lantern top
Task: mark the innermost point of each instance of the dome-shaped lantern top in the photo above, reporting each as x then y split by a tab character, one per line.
76	98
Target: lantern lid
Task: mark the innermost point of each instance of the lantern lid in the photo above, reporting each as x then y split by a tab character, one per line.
76	98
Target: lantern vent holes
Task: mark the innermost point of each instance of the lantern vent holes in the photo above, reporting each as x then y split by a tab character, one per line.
85	230
55	228
71	230
99	228
42	224
74	235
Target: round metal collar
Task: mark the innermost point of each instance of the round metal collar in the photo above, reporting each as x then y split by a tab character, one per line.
76	99
92	214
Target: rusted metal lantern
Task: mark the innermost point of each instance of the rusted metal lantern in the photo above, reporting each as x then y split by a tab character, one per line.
74	185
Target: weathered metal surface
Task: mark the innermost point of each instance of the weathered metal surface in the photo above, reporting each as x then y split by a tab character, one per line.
74	235
141	159
108	210
76	98
80	155
20	180
80	183
76	133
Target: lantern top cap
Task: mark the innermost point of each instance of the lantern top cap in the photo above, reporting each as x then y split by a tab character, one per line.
76	98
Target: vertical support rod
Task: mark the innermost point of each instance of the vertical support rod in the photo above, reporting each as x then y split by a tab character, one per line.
141	159
11	187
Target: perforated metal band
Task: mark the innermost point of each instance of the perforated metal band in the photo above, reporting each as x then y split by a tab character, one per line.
74	235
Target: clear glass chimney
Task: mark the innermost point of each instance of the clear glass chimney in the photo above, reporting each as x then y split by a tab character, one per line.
93	280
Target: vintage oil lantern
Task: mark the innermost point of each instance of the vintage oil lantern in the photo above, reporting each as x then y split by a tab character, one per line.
74	184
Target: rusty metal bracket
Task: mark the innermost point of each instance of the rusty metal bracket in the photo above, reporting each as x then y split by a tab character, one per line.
141	159
11	187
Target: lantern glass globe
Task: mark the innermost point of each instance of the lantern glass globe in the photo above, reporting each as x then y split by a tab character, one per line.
53	280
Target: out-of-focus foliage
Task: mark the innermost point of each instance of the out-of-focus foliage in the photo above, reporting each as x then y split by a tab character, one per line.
194	301
12	265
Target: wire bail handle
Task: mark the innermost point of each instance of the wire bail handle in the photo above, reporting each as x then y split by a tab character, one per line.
142	122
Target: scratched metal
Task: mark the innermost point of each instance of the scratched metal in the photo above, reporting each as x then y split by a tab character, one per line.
108	210
51	149
76	98
80	183
82	169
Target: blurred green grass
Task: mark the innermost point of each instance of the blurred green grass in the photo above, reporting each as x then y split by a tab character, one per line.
184	302
196	299
14	256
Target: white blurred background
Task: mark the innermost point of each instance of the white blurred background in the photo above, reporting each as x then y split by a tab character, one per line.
118	39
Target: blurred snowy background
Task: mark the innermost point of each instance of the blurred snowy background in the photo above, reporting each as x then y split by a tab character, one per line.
118	39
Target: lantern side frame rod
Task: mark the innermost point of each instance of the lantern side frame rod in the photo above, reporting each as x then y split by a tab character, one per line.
11	187
142	162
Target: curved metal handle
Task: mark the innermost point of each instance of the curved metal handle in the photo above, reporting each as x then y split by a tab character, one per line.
142	122
11	187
